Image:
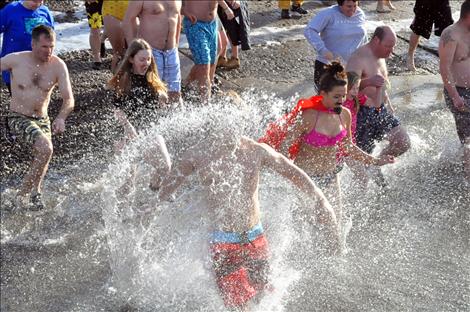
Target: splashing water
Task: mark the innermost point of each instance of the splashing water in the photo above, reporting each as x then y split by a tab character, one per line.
409	246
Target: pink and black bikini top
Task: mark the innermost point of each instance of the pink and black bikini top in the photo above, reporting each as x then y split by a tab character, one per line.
317	139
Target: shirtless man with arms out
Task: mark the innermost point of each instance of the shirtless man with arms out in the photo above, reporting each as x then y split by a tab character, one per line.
229	170
160	26
376	121
454	54
200	27
34	75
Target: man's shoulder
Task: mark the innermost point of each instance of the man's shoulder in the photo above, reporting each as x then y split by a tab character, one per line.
358	57
449	34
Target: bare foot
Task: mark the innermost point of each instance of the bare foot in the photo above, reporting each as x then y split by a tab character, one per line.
390	5
410	63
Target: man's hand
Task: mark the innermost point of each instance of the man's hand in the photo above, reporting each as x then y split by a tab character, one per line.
192	18
376	81
459	104
58	126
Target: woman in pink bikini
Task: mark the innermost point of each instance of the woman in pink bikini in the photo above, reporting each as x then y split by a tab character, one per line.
320	129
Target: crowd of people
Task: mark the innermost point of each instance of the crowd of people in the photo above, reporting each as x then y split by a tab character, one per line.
339	125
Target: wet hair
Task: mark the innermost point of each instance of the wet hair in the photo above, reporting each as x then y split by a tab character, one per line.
121	81
45	30
465	9
379	33
341	2
334	76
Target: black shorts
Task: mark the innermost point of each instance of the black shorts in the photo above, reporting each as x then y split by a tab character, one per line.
318	72
462	119
372	125
429	13
93	12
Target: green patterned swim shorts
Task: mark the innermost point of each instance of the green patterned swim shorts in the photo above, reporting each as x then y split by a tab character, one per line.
28	128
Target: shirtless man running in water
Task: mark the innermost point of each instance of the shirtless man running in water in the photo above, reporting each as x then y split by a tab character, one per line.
454	54
160	26
377	121
229	168
34	74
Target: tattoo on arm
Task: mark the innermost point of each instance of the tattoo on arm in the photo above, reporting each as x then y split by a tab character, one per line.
447	37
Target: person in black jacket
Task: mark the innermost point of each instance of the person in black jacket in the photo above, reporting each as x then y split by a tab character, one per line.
139	92
237	30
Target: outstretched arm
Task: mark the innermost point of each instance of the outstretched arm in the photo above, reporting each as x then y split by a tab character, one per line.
355	152
175	178
301	180
65	88
158	157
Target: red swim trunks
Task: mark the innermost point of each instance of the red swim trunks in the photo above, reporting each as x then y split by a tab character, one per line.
241	269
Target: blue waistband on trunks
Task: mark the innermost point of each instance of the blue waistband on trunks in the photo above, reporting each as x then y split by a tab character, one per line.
236	238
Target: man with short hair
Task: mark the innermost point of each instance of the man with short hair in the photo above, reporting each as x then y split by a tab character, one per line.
229	167
17	20
34	74
427	14
160	26
454	57
377	121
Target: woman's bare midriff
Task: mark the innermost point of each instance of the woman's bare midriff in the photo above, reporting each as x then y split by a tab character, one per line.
317	161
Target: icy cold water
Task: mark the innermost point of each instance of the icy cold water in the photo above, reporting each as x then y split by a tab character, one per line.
94	249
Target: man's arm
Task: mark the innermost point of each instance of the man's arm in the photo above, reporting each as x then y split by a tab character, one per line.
8	61
65	88
158	157
129	23
175	178
287	169
355	65
228	11
447	48
355	152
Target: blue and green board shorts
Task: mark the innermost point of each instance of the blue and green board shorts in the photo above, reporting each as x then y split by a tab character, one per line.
202	39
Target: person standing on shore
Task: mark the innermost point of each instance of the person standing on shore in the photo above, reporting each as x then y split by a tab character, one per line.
427	14
160	26
285	5
95	21
454	56
200	27
17	20
335	33
113	12
34	75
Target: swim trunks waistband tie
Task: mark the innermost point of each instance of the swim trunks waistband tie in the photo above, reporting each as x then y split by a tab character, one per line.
237	238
